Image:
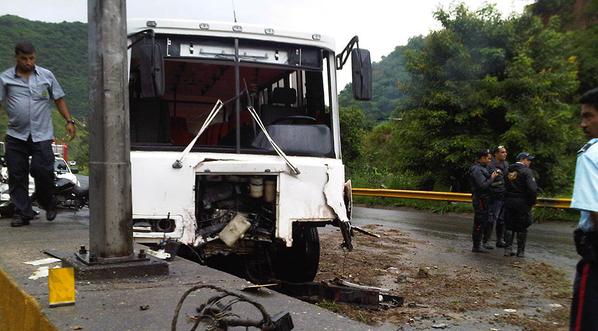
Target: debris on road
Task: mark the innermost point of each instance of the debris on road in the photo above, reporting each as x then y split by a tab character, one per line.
160	254
423	273
438	277
343	291
43	261
41	272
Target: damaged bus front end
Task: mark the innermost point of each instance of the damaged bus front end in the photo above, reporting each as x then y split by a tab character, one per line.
235	143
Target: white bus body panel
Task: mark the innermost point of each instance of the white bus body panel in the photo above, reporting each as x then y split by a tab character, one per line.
160	191
225	29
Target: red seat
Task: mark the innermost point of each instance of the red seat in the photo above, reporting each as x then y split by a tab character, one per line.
213	134
179	133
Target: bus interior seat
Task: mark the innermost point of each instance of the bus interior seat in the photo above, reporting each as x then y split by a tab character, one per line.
280	105
297	139
179	132
214	133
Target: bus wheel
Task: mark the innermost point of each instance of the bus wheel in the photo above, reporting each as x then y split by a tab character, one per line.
299	263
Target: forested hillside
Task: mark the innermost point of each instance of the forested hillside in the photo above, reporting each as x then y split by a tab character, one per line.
389	75
61	47
480	81
578	17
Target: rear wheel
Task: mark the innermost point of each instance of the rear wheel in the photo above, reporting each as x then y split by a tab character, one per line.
299	263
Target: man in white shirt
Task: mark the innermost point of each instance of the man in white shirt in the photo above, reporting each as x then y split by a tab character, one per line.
585	199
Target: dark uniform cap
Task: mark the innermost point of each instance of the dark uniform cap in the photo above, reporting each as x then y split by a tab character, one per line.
482	153
525	155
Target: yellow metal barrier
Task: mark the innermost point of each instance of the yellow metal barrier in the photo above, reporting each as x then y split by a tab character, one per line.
446	196
18	310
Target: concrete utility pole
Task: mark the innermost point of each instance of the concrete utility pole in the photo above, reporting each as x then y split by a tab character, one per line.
110	253
110	207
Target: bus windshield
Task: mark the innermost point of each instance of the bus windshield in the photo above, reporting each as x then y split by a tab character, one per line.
287	85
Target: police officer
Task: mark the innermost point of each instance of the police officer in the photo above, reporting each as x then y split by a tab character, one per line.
585	198
480	179
497	197
520	198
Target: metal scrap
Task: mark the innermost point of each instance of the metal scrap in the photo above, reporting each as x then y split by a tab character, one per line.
342	291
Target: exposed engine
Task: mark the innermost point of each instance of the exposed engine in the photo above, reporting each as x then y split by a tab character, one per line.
231	207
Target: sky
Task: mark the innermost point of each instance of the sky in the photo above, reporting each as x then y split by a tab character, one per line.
380	24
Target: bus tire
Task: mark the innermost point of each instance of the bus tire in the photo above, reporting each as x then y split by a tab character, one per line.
299	263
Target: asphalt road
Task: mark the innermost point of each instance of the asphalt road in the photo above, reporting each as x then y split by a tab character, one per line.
116	304
550	242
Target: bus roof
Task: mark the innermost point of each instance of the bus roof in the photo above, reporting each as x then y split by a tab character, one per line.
230	30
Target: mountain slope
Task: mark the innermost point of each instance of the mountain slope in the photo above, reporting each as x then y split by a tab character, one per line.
388	76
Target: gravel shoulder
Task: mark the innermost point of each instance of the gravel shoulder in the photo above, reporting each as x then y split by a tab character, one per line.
444	284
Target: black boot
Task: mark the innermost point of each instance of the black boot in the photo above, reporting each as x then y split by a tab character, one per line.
500	233
487	233
521	238
21	221
509	235
476	236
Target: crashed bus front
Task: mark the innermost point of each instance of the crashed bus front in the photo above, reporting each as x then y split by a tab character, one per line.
235	142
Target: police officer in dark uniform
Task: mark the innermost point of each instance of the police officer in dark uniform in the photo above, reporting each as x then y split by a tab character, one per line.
520	198
497	197
480	179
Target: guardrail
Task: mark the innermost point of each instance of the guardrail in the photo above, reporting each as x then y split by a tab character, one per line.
446	196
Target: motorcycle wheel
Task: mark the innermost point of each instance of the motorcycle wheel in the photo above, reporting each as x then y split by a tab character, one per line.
7	210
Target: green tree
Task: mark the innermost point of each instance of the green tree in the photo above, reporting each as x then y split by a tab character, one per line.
353	125
483	81
387	77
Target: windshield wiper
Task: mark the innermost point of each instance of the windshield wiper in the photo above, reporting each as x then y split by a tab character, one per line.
179	162
271	141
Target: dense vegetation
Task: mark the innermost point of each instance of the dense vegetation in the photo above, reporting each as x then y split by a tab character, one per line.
480	81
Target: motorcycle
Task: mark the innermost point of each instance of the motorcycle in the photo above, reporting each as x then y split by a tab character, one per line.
70	194
69	191
7	208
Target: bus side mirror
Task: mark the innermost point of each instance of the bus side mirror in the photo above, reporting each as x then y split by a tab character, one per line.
361	66
2	148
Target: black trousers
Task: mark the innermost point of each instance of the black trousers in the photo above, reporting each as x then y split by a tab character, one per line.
41	168
584	308
480	219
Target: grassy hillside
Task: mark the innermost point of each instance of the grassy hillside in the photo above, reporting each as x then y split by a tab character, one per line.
61	47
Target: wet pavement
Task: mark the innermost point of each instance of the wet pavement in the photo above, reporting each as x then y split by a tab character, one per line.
444	240
550	242
116	305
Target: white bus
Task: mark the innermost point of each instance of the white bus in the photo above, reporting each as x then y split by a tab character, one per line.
235	141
